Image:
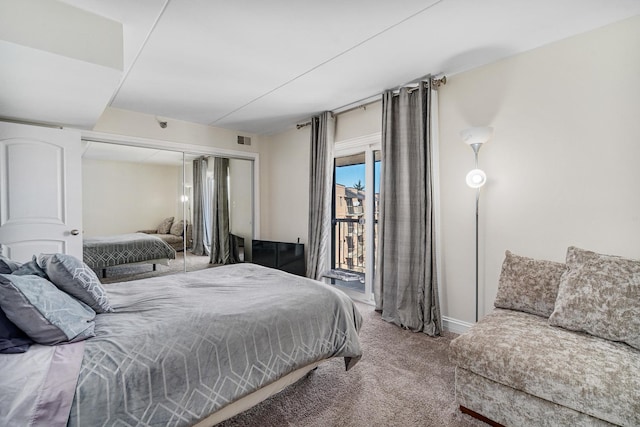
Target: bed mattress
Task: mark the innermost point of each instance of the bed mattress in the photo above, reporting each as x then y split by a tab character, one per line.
181	347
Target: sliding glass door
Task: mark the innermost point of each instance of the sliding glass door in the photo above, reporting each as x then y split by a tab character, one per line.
355	219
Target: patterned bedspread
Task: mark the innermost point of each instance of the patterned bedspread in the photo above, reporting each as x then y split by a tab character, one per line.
183	346
102	252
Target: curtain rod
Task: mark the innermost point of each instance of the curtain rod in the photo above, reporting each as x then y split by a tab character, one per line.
436	82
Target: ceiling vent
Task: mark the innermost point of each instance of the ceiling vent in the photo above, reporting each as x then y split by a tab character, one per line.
244	140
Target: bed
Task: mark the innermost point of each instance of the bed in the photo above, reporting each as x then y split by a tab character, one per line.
184	349
133	248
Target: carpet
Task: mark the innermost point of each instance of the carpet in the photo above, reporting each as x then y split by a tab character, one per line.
404	379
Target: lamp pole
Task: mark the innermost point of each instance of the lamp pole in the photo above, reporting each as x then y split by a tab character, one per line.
477	251
475	137
476	148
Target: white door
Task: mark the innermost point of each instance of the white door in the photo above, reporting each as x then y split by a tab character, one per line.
40	191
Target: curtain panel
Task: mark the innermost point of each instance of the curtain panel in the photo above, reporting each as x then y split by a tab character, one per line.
220	241
199	184
320	192
405	287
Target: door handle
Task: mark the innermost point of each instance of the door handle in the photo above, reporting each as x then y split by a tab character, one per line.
74	232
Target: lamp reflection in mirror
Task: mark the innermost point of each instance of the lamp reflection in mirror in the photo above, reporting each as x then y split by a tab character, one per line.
476	178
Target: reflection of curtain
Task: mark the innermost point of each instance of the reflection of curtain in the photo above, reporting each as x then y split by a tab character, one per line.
220	242
320	190
208	204
406	288
199	181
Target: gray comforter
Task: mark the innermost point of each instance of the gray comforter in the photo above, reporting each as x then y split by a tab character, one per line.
107	251
183	346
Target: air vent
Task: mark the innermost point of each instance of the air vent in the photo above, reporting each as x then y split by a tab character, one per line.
244	140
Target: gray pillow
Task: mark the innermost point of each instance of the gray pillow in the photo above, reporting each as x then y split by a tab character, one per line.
177	228
600	294
12	339
7	266
30	267
165	226
528	284
77	279
45	313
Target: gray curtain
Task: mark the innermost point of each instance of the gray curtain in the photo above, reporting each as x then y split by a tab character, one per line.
405	287
320	191
220	242
199	184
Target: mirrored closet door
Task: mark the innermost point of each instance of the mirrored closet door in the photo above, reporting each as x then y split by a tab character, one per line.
220	208
146	213
133	211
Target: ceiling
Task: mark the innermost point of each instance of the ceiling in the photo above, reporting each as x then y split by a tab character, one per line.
263	66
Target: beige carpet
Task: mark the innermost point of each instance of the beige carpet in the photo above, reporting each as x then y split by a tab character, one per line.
403	379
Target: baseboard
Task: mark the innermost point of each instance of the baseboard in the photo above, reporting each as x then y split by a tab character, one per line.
454	325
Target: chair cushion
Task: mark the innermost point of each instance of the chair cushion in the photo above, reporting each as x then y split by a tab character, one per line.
528	284
177	228
165	225
580	371
170	238
600	294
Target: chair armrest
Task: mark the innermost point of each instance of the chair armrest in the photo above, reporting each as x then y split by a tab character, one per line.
148	231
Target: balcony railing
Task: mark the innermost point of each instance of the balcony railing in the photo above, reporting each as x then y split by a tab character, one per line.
349	241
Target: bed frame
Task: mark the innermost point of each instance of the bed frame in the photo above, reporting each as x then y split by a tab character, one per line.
258	396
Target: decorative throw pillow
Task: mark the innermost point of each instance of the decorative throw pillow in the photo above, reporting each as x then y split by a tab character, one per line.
12	339
600	294
77	279
177	228
7	266
165	226
31	267
528	284
45	313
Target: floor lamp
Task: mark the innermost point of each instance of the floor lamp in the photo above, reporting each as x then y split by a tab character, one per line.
476	178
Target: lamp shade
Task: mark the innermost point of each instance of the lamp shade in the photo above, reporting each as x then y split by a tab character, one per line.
477	135
476	178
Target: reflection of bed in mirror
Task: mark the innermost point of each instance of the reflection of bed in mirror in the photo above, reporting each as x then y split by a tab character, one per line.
134	248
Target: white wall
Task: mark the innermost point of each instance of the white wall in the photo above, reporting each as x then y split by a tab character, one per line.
285	186
562	167
123	197
130	123
241	200
365	120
